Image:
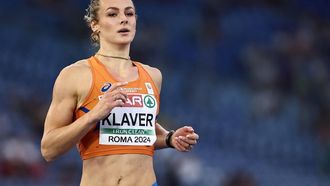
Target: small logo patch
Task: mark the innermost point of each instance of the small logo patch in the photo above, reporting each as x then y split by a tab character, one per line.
149	88
149	101
106	87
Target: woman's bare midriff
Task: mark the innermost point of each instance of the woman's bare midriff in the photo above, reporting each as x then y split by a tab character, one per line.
118	170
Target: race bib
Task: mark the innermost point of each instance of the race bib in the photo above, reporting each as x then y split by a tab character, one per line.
132	124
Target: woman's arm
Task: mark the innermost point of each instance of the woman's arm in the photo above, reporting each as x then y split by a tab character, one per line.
60	132
183	138
161	137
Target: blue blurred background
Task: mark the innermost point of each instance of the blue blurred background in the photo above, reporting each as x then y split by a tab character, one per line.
251	76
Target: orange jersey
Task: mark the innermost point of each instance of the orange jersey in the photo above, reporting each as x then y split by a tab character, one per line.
127	130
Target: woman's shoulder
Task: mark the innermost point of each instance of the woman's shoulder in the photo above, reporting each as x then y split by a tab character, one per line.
74	77
153	71
155	74
78	65
75	72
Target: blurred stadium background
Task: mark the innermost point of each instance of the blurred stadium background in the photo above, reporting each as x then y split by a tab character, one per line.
251	76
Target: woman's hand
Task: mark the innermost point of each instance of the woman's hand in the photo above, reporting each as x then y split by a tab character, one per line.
184	139
114	97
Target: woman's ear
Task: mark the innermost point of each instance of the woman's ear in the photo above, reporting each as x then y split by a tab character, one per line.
95	26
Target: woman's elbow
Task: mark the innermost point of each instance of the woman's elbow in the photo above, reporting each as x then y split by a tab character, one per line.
46	153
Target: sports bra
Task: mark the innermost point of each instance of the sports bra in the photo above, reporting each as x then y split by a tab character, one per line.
127	130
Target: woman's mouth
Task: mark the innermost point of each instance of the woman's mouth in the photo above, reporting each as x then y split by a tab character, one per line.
123	30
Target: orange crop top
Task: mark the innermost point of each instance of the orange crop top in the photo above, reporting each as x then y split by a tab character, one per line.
127	130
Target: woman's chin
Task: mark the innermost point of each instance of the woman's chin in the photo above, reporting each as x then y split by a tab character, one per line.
123	42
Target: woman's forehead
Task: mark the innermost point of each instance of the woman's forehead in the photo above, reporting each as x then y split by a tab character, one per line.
121	4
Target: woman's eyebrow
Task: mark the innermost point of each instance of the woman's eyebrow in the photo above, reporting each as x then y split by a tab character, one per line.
115	8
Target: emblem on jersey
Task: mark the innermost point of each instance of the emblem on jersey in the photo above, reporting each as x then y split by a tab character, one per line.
149	101
106	87
133	101
132	124
149	88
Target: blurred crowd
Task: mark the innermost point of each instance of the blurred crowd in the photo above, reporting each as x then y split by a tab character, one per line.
251	76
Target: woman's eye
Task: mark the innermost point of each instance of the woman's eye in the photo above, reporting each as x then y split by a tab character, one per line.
112	14
130	14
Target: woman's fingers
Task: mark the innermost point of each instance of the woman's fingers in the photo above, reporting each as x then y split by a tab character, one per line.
120	96
178	146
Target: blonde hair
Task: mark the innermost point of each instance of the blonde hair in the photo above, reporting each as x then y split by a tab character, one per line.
90	16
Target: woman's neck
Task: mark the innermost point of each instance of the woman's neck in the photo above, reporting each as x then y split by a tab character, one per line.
118	56
115	51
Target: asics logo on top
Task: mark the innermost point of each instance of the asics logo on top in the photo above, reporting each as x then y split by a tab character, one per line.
106	87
